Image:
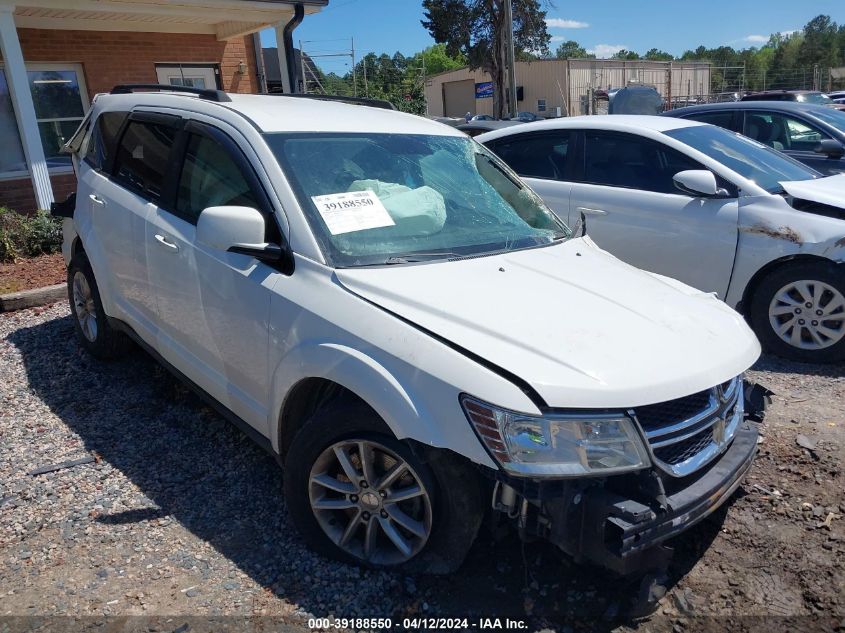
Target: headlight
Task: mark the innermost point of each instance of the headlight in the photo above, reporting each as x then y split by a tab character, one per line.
557	445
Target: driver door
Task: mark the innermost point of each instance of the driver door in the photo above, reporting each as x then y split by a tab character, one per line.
625	191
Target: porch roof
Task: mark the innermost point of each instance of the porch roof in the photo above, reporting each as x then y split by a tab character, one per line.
223	18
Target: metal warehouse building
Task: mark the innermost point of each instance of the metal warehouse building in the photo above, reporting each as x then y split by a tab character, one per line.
569	84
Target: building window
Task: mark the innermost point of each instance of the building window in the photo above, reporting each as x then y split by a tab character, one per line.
12	161
541	105
60	103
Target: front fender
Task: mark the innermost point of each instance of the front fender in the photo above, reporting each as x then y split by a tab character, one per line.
378	386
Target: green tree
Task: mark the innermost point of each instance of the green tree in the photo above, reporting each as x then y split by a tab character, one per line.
436	60
476	30
656	55
570	49
626	54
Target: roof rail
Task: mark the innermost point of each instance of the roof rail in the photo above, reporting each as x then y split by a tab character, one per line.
203	93
375	103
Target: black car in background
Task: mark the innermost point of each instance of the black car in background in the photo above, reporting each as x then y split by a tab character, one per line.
813	134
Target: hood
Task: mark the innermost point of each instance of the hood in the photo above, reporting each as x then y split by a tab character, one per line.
584	329
829	190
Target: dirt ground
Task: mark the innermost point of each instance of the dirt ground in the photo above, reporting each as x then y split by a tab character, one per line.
177	523
32	272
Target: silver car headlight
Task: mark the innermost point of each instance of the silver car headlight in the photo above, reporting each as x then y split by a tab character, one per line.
558	445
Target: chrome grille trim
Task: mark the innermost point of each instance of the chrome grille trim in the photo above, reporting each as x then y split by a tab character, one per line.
723	413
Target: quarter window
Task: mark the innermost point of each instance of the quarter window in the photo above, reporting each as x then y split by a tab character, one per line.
142	158
624	160
211	177
782	132
536	156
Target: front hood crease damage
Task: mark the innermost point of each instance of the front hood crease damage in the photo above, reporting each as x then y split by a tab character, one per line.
582	328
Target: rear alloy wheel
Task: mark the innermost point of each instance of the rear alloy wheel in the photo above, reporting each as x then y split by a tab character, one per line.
799	312
92	327
83	306
370	502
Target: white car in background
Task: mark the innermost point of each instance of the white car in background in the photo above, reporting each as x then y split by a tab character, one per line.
706	206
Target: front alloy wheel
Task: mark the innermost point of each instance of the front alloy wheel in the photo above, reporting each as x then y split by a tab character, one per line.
798	311
370	502
808	314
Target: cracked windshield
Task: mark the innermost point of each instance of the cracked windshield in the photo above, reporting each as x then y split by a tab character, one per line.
398	198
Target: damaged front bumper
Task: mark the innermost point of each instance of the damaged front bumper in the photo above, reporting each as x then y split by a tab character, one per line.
622	532
621	522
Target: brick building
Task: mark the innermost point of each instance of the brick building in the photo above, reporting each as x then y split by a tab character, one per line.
55	55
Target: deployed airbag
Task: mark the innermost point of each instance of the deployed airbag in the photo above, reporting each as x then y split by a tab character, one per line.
420	211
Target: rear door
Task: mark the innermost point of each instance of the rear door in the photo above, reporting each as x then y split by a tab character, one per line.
543	160
213	306
625	190
121	206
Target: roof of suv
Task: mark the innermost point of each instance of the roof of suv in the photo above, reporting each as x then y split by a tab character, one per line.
278	113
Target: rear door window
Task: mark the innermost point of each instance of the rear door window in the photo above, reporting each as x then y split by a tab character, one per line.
536	156
722	118
101	144
142	158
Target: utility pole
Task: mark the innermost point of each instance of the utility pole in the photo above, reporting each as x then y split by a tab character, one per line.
354	78
511	59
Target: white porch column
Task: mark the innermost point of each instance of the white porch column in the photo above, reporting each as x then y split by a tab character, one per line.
13	66
283	58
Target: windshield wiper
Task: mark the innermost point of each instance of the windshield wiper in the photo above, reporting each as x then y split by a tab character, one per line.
409	258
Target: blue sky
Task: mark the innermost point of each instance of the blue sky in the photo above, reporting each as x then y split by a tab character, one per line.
601	27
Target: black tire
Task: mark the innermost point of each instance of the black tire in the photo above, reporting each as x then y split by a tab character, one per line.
103	342
772	285
455	491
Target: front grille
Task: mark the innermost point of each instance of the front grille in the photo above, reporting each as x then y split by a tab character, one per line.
676	453
687	433
655	416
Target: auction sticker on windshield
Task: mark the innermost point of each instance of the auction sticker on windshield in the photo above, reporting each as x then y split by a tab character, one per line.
352	211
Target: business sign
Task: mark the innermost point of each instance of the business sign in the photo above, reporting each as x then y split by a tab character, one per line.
484	90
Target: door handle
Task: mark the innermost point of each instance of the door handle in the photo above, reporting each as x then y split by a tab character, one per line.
97	199
161	239
589	211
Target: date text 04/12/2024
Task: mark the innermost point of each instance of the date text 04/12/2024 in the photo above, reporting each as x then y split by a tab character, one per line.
418	624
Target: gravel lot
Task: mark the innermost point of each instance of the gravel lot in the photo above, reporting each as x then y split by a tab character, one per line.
179	515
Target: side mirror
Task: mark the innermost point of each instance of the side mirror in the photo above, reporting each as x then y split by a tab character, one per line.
697	182
830	147
237	230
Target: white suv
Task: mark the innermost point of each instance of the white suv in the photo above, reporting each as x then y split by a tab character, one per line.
389	310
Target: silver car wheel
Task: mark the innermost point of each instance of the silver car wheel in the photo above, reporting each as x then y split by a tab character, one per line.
808	314
370	502
83	306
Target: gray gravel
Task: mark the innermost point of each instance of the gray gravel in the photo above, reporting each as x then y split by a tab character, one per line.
181	514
